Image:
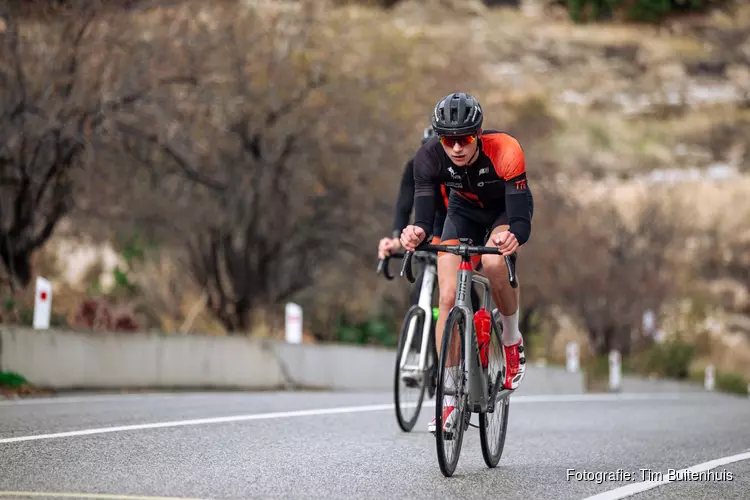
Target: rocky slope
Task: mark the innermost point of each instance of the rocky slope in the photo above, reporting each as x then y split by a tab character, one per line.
625	113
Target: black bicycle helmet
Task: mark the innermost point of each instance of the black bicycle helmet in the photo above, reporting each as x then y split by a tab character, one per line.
457	114
428	133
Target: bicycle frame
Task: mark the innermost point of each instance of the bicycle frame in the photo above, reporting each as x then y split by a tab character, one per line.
425	303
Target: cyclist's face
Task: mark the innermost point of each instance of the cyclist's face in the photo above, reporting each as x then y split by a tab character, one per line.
460	149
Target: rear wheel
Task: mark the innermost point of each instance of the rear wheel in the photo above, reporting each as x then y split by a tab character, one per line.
451	382
493	425
409	384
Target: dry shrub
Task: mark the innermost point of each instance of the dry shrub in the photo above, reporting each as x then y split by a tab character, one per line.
601	268
169	297
101	314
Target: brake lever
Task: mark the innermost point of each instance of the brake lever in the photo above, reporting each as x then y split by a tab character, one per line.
406	267
511	272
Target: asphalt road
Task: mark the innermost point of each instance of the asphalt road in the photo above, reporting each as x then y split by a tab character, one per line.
358	451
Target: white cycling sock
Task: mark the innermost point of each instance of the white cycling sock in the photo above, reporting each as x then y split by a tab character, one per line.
511	333
450	384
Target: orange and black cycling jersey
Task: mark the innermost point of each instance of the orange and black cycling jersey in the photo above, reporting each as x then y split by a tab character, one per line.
405	202
495	181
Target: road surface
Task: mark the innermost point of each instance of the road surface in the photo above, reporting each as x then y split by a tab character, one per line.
347	445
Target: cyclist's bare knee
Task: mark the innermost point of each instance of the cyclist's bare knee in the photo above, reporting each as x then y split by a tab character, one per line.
494	267
447	279
447	298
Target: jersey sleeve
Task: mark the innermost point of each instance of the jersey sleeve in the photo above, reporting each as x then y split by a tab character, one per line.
426	187
405	199
510	165
518	206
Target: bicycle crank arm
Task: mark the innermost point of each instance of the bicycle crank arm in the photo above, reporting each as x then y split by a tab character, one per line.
496	393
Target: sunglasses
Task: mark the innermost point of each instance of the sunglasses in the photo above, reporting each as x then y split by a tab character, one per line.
462	140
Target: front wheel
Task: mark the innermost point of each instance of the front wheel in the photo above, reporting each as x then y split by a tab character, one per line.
451	387
409	384
493	425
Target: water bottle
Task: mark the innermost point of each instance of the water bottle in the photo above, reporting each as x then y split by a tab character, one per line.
482	325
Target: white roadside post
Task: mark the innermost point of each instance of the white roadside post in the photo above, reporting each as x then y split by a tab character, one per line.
650	328
649	323
42	304
615	371
573	363
293	323
709	381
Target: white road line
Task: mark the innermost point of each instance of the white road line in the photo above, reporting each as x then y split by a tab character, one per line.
105	398
584	398
93	496
330	411
202	421
632	489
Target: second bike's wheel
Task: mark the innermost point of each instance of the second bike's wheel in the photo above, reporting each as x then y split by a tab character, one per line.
451	382
493	425
409	386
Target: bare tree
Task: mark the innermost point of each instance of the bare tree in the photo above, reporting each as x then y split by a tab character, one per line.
274	170
546	249
56	90
615	271
267	206
722	256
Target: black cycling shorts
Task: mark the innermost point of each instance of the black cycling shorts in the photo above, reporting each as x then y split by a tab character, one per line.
468	220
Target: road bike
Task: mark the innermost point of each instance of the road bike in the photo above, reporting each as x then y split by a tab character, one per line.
478	386
416	354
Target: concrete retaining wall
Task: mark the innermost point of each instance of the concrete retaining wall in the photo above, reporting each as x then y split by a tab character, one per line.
63	360
72	360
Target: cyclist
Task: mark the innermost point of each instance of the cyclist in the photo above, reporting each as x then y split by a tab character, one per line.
490	203
402	213
404	204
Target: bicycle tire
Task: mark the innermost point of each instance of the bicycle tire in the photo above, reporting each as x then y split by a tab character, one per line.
404	423
490	458
447	467
432	363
